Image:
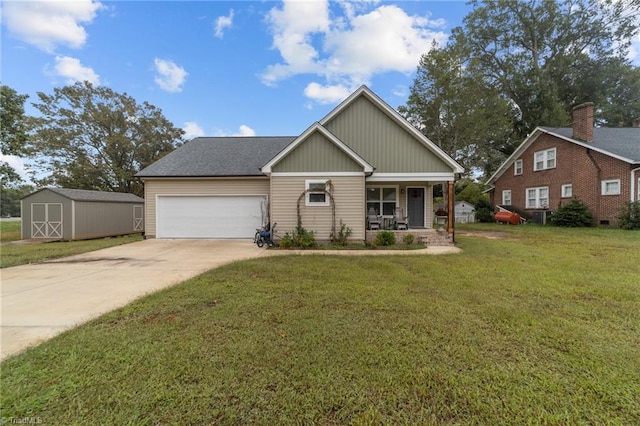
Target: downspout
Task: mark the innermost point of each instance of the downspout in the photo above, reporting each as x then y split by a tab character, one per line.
634	190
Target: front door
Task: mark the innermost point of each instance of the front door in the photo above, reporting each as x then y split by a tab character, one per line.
415	207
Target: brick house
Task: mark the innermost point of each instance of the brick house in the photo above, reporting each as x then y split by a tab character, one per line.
598	166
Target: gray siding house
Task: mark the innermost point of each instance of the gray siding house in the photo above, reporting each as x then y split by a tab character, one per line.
75	214
363	156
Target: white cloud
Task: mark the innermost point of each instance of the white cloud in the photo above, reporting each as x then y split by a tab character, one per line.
634	51
192	130
326	94
243	130
222	23
170	76
73	70
347	51
47	24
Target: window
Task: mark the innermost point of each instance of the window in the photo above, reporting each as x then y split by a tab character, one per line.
611	187
506	197
517	167
538	198
382	200
543	160
567	191
316	195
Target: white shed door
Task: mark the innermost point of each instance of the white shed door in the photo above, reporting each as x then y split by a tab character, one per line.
208	216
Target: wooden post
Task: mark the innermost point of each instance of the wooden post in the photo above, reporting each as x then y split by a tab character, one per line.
450	207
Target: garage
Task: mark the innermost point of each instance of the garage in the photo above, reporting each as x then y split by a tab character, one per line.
207	216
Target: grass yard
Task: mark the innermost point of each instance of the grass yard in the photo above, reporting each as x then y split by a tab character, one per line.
21	254
540	326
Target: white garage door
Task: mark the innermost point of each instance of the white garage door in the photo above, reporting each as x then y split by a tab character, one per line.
208	216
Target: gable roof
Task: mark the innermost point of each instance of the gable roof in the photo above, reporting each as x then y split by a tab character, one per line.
620	143
87	195
398	119
218	156
317	127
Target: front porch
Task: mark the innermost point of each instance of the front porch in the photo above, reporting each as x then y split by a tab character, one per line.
428	237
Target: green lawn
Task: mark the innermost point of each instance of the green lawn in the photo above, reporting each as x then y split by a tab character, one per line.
541	326
20	254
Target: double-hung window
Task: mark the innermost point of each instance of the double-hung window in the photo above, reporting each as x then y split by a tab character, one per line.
543	160
611	187
517	167
538	198
316	194
567	191
506	197
382	200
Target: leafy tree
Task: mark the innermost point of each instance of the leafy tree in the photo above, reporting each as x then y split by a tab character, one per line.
629	217
547	56
94	138
14	131
452	106
515	65
10	199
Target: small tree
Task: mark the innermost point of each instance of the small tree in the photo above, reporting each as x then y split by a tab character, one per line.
573	214
483	211
629	215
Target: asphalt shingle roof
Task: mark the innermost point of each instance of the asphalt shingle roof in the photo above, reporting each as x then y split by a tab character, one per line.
86	195
623	141
219	156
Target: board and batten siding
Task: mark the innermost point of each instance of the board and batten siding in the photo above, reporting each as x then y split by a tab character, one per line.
379	139
317	154
349	198
196	186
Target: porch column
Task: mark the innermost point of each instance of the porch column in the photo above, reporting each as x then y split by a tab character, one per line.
450	213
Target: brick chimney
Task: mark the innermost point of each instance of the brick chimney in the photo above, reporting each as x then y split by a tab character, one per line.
583	122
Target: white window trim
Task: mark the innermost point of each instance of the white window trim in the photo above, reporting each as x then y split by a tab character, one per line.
564	188
505	192
397	188
307	201
517	165
604	187
545	160
537	205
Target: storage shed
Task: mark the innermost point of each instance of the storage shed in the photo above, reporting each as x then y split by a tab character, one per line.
77	214
465	212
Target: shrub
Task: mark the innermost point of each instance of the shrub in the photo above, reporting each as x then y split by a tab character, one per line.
629	215
385	238
408	239
343	235
484	211
286	241
303	238
573	214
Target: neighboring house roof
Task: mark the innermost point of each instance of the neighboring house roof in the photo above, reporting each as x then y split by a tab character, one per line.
621	143
86	195
317	127
218	156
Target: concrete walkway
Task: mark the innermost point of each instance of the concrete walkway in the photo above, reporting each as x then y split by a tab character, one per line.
42	300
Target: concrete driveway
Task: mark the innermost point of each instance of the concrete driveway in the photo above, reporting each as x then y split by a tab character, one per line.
41	300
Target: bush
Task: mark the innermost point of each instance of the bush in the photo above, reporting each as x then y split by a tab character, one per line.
385	238
573	214
484	212
303	238
408	239
629	215
286	241
343	235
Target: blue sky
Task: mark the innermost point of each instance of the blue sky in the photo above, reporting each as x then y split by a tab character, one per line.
224	68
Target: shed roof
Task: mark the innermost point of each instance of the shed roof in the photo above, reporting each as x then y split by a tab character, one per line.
218	156
87	195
